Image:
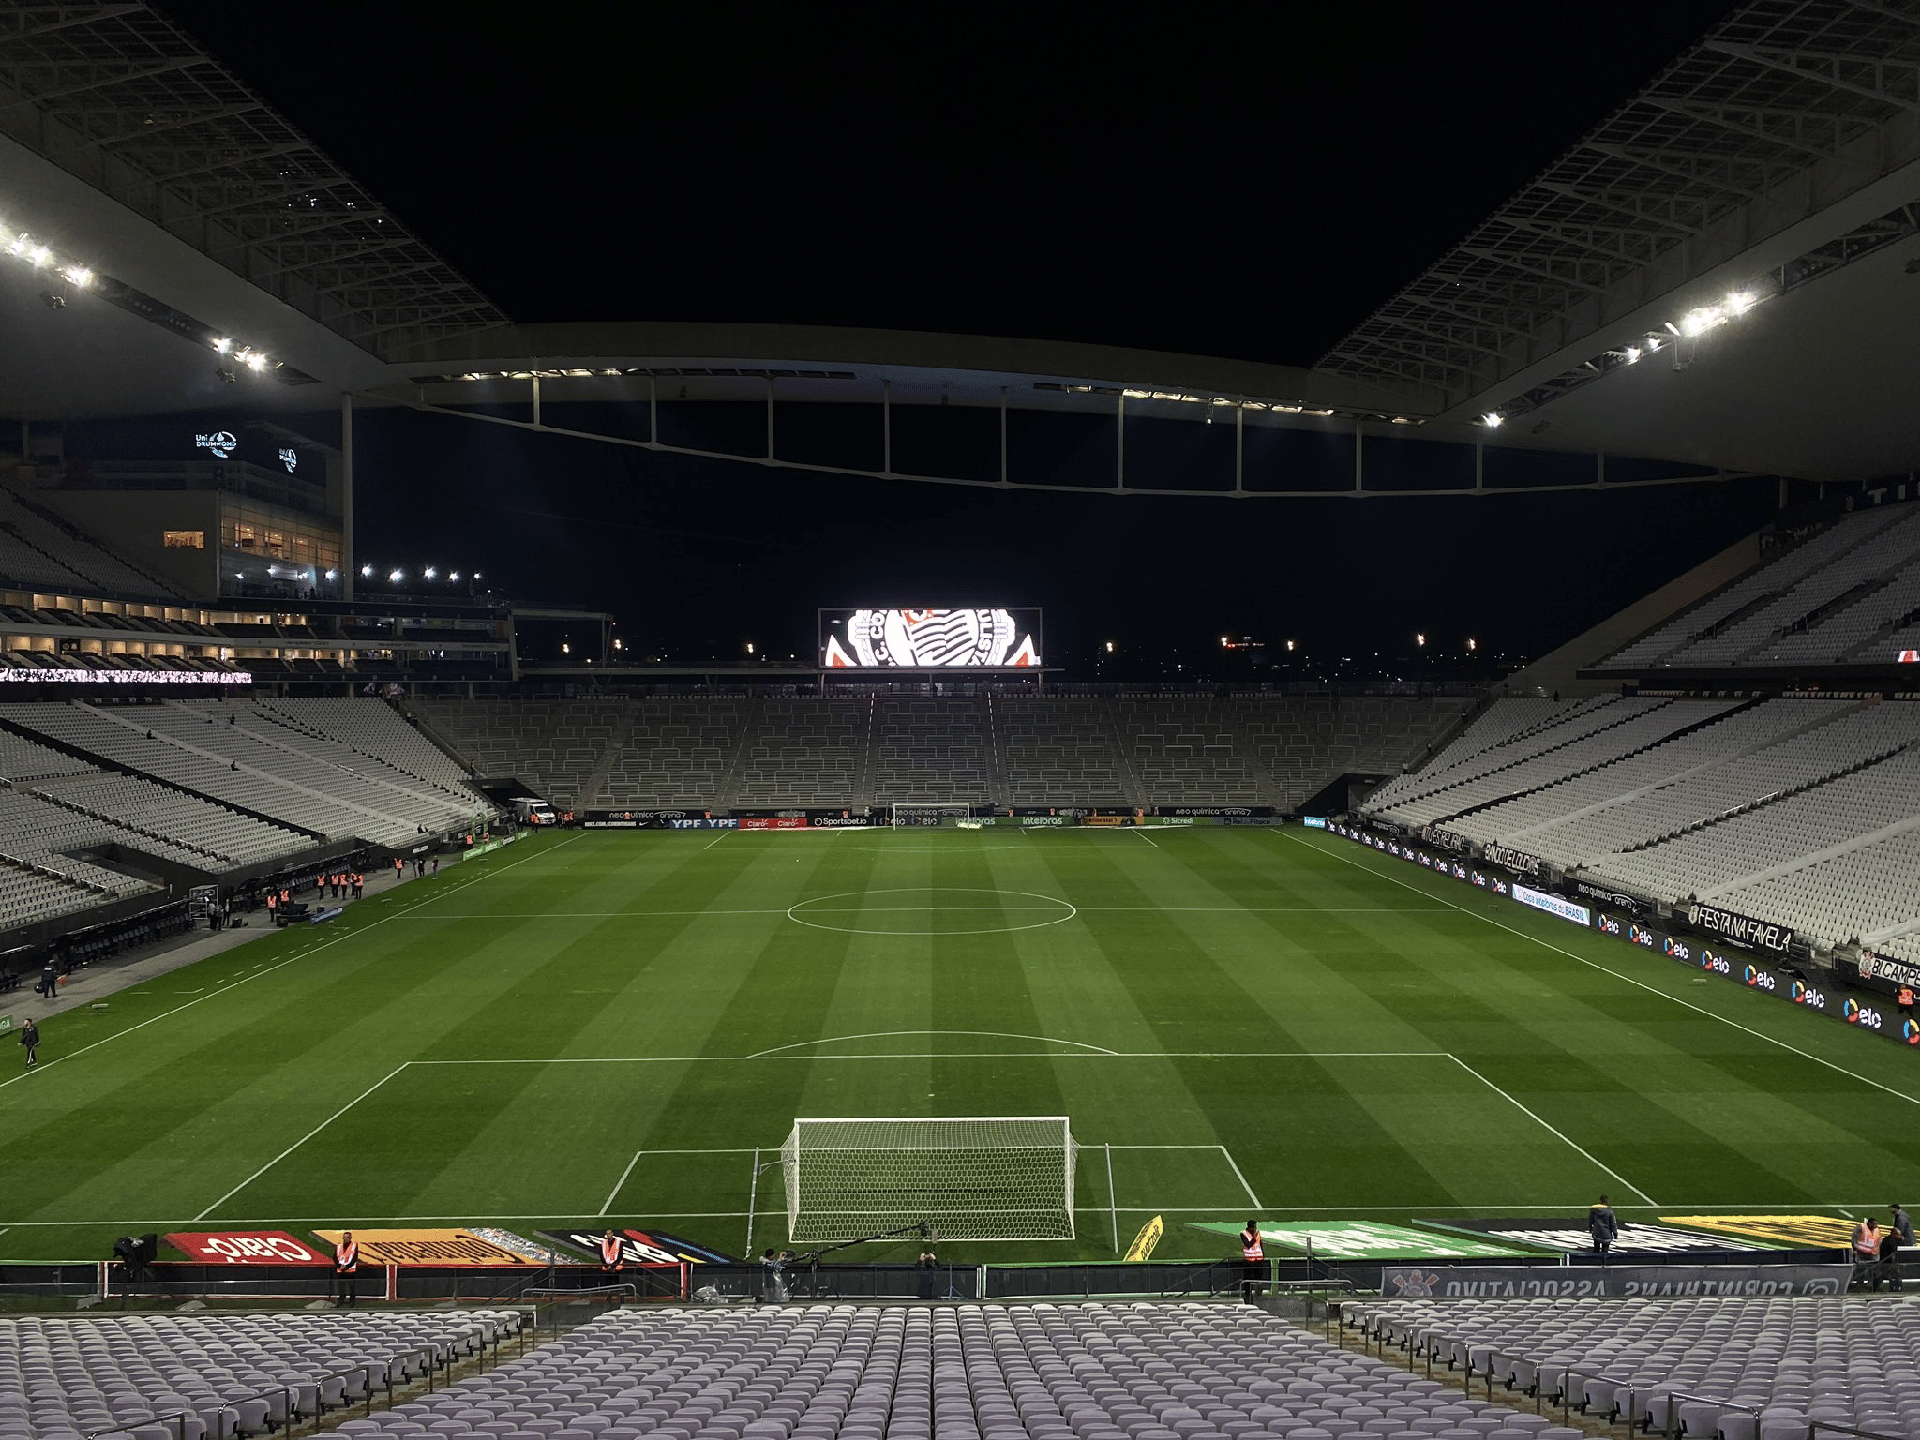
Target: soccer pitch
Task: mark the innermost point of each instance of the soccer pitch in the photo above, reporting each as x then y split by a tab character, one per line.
1239	1021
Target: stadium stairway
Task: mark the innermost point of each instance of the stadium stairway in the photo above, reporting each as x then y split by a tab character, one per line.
1123	761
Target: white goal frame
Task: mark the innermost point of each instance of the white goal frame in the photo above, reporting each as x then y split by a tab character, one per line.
979	1177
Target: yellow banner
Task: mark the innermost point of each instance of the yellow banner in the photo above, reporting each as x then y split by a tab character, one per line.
1798	1230
425	1247
1144	1242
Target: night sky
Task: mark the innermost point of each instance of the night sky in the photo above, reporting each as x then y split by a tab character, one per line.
1248	181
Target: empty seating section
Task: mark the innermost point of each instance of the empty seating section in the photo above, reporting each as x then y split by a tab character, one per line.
800	752
1759	589
261	758
212	1378
1502	723
1302	744
1059	752
1594	736
931	751
1850	595
213	836
1543	816
38	832
40	551
1852	896
1838	636
1755	1369
1747	846
1183	751
29	895
22	759
1800	810
374	729
553	746
1838	739
967	1372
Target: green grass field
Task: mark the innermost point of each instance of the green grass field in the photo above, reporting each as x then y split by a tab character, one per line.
1256	1021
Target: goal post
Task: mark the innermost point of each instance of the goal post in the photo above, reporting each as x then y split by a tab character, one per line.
997	1177
928	815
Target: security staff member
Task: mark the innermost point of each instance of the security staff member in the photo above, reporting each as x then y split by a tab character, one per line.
346	1262
1255	1255
610	1253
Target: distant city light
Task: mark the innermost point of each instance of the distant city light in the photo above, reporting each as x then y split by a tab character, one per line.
1289	647
396	577
566	648
1420	639
431	572
333	574
366	572
749	647
1472	644
455	575
1109	647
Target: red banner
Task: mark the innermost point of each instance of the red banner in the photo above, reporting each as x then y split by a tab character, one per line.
245	1247
774	822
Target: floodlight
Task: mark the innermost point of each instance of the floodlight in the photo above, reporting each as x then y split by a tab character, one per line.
1654	342
396	577
18	246
1671	327
431	573
453	575
255	360
1493	419
40	254
222	345
366	572
1632	353
1739	302
78	275
1699	321
333	574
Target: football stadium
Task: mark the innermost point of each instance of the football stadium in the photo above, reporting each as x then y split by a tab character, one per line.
449	1008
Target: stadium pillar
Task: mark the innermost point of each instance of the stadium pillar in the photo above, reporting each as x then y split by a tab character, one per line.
347	570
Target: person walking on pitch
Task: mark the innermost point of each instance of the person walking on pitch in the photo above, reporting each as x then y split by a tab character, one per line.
30	1037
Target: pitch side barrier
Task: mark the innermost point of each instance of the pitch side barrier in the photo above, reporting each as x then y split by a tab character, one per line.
1527	881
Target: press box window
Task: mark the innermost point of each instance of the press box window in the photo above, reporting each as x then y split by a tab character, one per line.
183	539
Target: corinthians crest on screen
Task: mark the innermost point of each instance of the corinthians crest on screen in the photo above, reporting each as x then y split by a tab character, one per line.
922	639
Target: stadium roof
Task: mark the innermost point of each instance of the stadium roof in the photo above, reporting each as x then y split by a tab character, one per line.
1779	158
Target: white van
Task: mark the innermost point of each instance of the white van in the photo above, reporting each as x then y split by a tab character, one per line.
532	810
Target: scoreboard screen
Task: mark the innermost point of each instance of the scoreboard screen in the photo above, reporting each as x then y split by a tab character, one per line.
929	639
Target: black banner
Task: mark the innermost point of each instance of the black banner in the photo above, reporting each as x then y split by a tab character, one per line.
1447	839
1518	861
1883	972
1459	1282
1630	905
1741	930
1237	811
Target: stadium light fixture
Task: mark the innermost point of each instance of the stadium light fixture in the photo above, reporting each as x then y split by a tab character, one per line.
1739	302
366	572
1493	419
1632	352
1672	329
78	276
432	573
453	575
396	577
333	574
223	346
40	254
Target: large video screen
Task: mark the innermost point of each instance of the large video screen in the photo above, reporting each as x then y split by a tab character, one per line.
926	639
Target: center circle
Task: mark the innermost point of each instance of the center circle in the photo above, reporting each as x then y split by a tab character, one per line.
931	910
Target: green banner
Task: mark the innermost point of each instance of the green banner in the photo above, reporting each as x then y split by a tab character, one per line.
6	1023
1367	1240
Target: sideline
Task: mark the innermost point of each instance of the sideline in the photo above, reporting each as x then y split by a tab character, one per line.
270	969
1609	970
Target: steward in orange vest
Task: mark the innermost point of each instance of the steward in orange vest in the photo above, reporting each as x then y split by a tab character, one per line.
610	1253
346	1261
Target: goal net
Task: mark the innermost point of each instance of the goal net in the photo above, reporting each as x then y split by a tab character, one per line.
928	814
986	1178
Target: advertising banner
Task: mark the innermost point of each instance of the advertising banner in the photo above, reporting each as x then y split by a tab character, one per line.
1742	930
966	638
1809	1232
1368	1240
1314	822
1239	812
1891	973
1619	1281
246	1247
31	675
729	823
1553	905
1636	1237
434	1247
1629	905
1148	1240
641	1247
774	822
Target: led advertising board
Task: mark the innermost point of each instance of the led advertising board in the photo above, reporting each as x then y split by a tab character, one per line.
929	639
